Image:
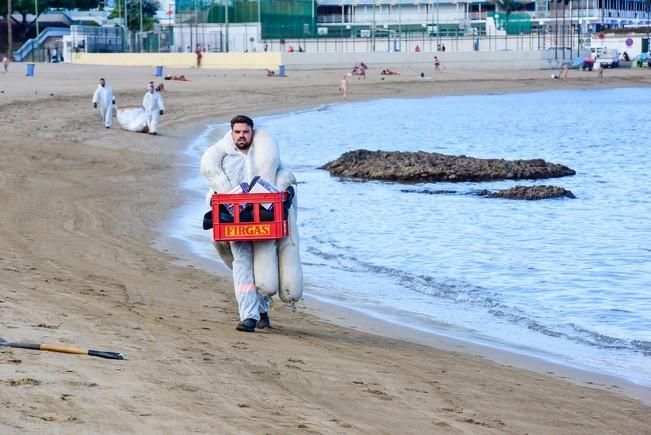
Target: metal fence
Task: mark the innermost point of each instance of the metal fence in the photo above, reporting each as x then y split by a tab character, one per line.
424	42
92	39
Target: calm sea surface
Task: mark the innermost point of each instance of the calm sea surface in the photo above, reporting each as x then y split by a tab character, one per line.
566	280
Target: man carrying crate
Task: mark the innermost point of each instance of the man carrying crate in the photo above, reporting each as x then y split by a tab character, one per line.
237	159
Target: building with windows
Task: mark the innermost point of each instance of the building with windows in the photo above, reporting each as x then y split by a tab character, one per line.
394	25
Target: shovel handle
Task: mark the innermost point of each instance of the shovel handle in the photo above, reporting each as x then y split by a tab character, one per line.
64	349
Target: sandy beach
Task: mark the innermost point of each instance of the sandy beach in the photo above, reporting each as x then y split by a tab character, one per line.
82	207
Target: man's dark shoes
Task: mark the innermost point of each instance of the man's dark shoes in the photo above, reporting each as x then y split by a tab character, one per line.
246	325
264	321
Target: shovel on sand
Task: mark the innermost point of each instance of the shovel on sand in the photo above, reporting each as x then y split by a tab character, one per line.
53	348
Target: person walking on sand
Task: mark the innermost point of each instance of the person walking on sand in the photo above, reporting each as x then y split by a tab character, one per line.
238	157
154	108
5	64
104	99
600	70
437	64
253	307
343	86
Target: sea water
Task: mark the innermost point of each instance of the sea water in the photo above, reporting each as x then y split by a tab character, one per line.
565	280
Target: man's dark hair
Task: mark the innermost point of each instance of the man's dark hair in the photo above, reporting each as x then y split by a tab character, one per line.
242	119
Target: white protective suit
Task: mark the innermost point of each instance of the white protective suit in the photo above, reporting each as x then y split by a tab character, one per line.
103	97
153	104
260	269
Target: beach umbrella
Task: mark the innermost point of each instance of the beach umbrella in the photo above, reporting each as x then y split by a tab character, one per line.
54	348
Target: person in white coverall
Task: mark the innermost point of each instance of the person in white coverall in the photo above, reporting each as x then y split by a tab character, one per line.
253	307
103	98
154	108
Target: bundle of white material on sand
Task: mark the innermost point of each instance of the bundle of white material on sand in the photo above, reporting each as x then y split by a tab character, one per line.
132	119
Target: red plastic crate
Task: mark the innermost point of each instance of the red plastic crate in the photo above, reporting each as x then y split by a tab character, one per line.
256	229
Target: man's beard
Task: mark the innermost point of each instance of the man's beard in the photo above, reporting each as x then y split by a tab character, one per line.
243	145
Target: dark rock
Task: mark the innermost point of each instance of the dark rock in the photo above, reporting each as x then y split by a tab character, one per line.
430	191
529	193
429	167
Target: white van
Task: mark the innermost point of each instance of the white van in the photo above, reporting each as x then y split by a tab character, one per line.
608	58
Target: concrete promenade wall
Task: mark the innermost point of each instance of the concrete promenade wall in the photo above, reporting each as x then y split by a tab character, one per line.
496	60
182	60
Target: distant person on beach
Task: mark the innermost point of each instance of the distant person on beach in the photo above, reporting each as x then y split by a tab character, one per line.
437	64
360	70
154	108
103	99
199	55
562	74
180	78
5	63
160	87
600	70
343	86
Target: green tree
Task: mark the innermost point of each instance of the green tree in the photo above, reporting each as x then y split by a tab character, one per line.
26	7
149	8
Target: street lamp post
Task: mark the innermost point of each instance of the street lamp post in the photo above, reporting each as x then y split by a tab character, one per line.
126	23
648	11
36	14
193	28
400	26
170	30
9	35
226	33
572	29
555	30
438	28
373	29
563	28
